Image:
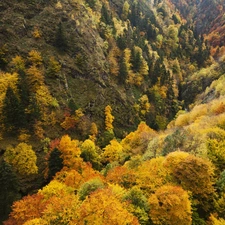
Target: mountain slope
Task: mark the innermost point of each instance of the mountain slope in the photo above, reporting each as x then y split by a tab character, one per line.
207	16
76	77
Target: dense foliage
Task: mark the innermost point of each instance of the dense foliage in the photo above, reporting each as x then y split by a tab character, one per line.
111	112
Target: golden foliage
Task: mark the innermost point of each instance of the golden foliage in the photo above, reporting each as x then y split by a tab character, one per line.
35	57
93	132
216	221
151	175
24	136
137	142
54	188
108	118
112	58
36	33
102	207
173	159
112	152
7	80
36	221
70	177
38	130
26	209
122	176
71	121
170	205
144	103
35	78
62	209
196	175
44	97
70	152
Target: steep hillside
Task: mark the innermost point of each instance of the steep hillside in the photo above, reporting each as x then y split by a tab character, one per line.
207	17
108	53
78	77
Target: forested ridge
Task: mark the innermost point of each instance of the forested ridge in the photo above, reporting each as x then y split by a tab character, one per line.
112	112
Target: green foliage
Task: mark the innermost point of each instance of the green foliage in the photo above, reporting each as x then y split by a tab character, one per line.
220	184
55	163
88	187
142	58
106	17
105	138
60	38
89	153
174	141
53	68
91	3
3	59
8	188
140	204
216	148
13	113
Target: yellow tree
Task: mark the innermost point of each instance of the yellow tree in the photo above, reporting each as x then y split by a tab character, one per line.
55	188
137	141
35	78
28	208
54	204
122	175
151	175
22	158
93	131
35	57
112	152
215	221
170	205
108	118
102	207
112	58
71	178
173	159
36	221
61	208
196	175
70	152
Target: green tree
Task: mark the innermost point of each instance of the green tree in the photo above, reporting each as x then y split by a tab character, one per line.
55	163
90	186
8	189
89	153
60	39
125	12
139	204
13	113
106	17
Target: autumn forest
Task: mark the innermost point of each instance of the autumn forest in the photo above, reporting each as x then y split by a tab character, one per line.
112	112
